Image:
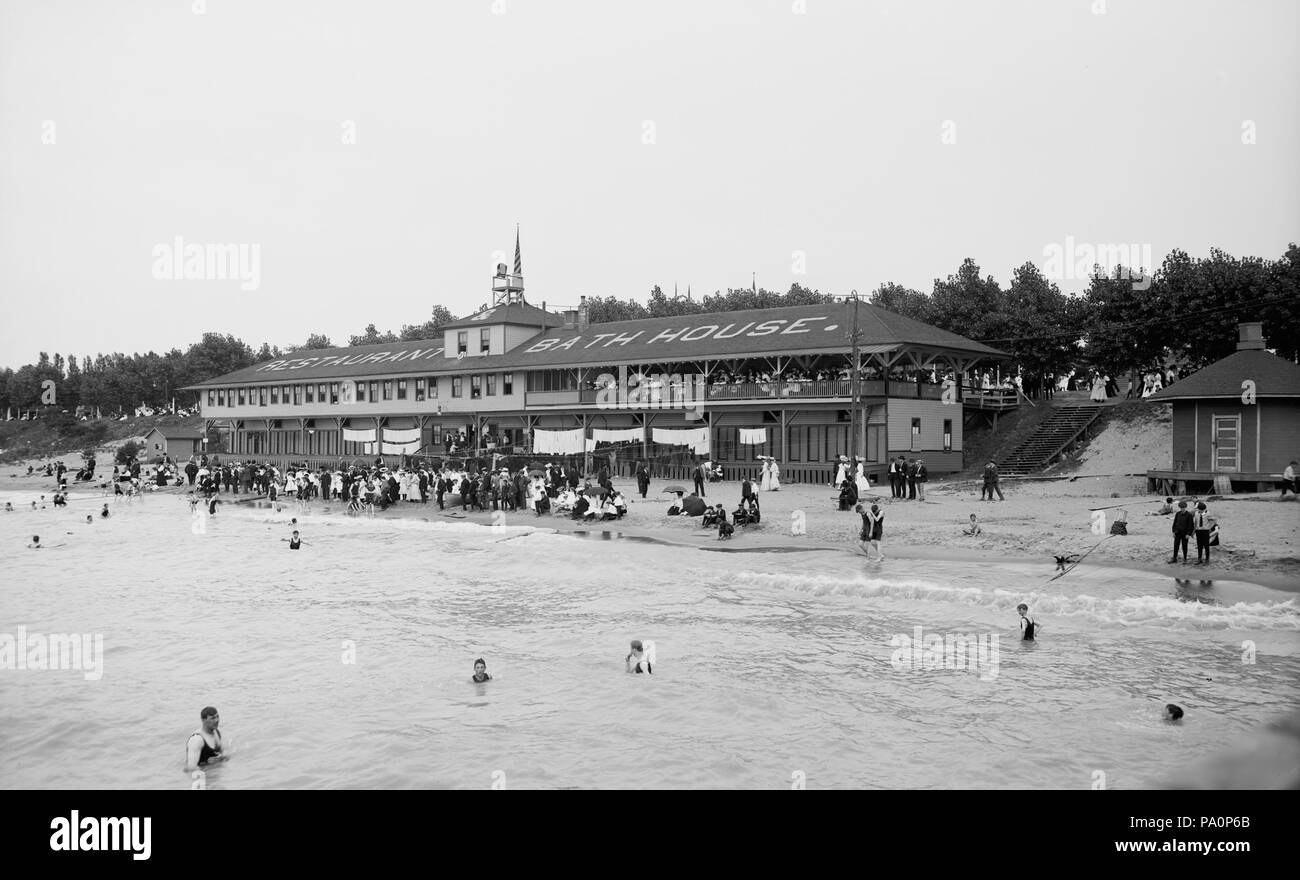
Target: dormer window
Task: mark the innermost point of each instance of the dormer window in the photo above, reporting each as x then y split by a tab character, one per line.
484	340
462	342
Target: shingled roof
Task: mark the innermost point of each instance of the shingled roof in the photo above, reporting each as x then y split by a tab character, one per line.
791	330
1273	377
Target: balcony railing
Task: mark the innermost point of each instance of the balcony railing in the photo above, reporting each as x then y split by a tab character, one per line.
783	390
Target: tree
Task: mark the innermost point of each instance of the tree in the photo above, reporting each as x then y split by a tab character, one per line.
603	310
127	452
902	300
968	304
314	341
372	337
217	355
430	329
1040	322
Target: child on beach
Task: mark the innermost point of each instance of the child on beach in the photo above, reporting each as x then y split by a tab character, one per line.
1165	509
973	529
1028	626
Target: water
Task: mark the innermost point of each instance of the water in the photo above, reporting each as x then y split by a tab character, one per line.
772	668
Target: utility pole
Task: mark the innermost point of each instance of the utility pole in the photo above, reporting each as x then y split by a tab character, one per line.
854	387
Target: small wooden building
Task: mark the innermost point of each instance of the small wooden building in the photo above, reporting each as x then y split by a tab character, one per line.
1238	417
179	443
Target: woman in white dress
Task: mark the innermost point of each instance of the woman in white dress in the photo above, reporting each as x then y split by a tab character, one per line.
1098	389
776	475
765	484
860	479
842	473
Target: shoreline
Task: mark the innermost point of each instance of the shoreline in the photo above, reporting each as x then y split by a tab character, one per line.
1037	520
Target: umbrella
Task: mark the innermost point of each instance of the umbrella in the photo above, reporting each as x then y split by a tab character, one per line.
693	505
536	472
681	489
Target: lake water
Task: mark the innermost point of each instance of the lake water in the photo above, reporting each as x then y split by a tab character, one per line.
772	669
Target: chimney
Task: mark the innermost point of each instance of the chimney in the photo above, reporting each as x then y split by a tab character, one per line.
582	313
1250	336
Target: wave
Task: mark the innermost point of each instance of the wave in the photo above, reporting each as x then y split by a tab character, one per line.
1148	610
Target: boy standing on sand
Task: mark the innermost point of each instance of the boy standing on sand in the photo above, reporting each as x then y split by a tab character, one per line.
1182	529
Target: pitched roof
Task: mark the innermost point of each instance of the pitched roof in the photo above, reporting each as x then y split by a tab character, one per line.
175	432
791	330
746	333
1273	377
519	313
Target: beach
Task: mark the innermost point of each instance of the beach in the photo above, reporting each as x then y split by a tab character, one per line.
1040	519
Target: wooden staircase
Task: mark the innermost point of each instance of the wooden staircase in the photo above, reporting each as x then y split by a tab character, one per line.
1051	439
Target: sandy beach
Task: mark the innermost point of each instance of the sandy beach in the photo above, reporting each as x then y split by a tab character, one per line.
1038	520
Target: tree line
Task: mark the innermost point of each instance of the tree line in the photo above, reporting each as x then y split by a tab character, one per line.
1184	312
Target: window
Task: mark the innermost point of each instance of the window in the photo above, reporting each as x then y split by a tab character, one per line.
388	389
230	397
814	442
374	392
433	388
916	435
456	386
297	395
322	393
221	397
261	396
275	395
419	388
401	389
947	435
212	397
311	393
475	387
484	340
284	395
507	383
241	396
462	342
361	392
492	384
334	392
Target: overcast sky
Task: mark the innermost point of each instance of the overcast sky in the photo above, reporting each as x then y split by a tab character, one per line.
377	154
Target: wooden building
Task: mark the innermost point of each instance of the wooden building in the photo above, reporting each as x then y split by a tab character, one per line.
1238	418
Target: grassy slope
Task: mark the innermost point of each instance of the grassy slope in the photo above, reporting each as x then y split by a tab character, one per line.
55	438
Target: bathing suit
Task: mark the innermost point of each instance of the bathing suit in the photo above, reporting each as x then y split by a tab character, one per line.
637	669
485	677
208	751
212	507
1029	629
295	543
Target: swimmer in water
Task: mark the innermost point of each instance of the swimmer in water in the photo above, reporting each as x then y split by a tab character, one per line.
206	749
9	507
1063	561
1027	624
295	542
89	519
194	503
480	672
104	513
212	506
636	659
1173	713
36	543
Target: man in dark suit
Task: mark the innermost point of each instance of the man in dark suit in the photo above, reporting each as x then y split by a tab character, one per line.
643	478
701	477
893	477
911	480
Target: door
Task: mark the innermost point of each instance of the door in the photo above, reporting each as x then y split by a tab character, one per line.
1227	445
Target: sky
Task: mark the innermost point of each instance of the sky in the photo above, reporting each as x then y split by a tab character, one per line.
370	160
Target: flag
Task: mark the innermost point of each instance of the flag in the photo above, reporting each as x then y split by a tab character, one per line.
519	260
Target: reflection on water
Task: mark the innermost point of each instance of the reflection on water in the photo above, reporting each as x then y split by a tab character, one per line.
768	664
